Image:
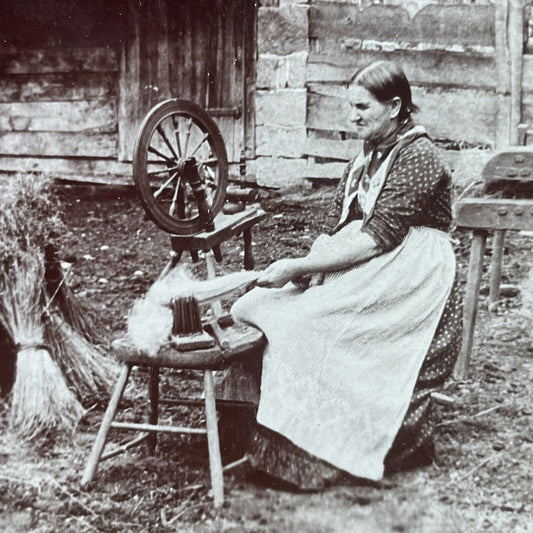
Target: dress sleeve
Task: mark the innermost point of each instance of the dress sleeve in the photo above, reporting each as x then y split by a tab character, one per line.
404	200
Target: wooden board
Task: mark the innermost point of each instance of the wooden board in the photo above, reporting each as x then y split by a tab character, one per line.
422	67
527	74
91	170
494	214
58	144
57	86
513	165
330	171
341	25
317	145
527	110
87	116
459	115
58	60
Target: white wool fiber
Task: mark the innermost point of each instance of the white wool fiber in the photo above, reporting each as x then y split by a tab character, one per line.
150	320
149	325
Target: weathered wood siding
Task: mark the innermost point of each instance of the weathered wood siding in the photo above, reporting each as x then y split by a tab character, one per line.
445	50
197	50
57	103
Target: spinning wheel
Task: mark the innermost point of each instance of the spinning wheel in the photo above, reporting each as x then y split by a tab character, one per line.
180	167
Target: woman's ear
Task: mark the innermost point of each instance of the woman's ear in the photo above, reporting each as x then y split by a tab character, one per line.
396	105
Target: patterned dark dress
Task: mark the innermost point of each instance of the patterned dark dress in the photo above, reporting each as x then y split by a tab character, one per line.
416	193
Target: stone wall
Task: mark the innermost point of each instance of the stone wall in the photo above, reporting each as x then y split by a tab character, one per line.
309	49
281	94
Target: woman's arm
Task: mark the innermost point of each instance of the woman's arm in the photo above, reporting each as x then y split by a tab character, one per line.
344	249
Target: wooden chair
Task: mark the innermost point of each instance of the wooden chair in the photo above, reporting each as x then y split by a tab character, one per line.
484	215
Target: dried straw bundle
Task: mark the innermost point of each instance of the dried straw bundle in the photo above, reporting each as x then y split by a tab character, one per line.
41	401
30	218
150	320
87	371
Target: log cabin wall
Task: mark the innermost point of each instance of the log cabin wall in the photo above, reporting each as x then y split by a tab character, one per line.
308	51
59	88
77	78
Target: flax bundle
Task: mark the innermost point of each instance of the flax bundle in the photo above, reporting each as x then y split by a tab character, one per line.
31	217
150	320
40	401
86	369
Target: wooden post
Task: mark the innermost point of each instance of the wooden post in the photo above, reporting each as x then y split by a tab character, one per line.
215	461
496	265
503	74
516	53
248	252
99	443
211	274
473	282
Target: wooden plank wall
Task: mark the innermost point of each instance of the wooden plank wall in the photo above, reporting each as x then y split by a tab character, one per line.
58	109
193	50
447	52
207	62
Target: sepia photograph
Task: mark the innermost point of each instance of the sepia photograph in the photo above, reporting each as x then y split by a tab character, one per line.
266	266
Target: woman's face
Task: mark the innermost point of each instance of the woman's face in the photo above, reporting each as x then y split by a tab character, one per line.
373	120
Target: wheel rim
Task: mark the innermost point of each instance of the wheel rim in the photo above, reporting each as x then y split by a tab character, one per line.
172	132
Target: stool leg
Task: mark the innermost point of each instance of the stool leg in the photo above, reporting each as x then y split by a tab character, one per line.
496	265
248	254
154	405
215	461
473	282
99	443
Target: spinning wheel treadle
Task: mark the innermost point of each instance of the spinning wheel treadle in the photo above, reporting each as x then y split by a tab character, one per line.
180	157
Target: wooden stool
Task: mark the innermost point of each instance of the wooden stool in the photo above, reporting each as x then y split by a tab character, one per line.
240	342
237	341
481	216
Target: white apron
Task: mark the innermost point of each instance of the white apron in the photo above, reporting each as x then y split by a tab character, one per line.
343	358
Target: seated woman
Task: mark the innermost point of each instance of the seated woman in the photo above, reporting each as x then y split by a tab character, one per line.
362	329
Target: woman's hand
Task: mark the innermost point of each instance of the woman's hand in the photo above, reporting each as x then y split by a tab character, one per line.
280	273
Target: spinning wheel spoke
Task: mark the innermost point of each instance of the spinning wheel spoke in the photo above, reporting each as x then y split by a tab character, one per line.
165	185
187	136
172	134
163	135
164	171
173	204
156	152
204	138
175	124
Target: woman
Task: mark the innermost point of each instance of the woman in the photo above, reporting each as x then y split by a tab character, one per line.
362	329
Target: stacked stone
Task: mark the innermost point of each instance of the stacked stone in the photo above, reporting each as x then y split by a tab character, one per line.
281	95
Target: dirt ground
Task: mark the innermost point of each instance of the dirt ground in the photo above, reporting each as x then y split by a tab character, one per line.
480	481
